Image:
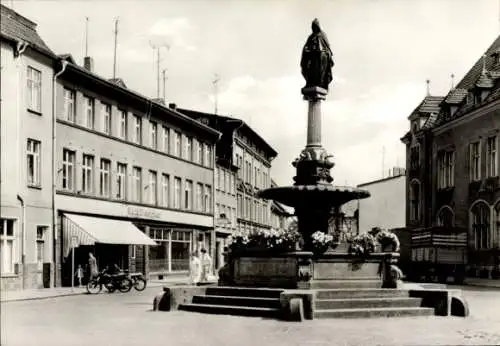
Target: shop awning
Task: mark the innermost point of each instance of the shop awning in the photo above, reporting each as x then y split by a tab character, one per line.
90	230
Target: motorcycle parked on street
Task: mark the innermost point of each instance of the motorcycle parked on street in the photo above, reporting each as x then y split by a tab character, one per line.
113	280
139	281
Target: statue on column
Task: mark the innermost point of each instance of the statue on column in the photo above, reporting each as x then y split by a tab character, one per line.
317	59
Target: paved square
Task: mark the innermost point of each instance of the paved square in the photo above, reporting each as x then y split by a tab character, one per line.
127	319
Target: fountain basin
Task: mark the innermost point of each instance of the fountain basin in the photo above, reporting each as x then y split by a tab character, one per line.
319	194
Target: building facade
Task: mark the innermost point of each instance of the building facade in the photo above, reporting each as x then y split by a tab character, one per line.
244	167
25	172
386	206
93	167
121	156
452	155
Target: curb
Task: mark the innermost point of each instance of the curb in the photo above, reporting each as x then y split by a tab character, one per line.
41	298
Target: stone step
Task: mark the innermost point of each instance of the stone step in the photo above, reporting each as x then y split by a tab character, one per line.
359	303
373	312
238	301
319	284
360	293
244	292
231	310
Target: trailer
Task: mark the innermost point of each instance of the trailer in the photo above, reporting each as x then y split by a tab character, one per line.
438	253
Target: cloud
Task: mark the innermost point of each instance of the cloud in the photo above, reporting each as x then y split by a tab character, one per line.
175	32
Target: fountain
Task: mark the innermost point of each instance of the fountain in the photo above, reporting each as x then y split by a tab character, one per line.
299	283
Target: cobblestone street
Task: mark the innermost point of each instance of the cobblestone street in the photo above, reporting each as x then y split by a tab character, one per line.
127	319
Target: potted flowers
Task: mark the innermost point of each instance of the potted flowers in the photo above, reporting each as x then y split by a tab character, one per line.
362	244
320	242
264	240
388	241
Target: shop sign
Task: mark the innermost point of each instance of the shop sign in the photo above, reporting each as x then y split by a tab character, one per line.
143	213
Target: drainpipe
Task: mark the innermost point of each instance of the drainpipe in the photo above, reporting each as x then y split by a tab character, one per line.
23	239
54	168
18	51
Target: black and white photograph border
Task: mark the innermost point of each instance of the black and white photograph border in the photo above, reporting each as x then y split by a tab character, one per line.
245	172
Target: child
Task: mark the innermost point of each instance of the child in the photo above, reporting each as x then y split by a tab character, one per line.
79	275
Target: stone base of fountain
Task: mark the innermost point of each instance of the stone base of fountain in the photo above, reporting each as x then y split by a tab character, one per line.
304	270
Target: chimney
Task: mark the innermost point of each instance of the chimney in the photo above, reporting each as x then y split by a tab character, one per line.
88	63
172	106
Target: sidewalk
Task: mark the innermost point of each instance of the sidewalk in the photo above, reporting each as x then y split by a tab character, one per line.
45	293
491	283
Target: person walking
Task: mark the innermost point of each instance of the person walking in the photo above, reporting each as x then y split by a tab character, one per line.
194	269
93	269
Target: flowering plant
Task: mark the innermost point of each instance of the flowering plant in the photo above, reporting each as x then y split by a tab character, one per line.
275	239
362	244
321	239
387	238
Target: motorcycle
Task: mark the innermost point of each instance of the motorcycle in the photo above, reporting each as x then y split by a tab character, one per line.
112	282
139	282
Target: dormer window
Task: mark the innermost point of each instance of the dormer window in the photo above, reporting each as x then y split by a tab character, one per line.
470	98
414	127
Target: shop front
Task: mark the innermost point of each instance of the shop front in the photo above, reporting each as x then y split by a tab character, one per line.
110	241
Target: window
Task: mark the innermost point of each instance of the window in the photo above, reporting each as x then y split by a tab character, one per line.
166	140
152	188
165	189
34	78
121	180
136	184
68	170
33	149
189	149
446	169
231	182
208	156
188	195
415	157
475	162
122	124
208	199
87	174
105	178
137	129
415	201
41	231
177	192
239	206
153	135
480	215
196	151
491	157
69	105
106	118
177	143
445	217
226	182
89	112
200	153
7	245
199	197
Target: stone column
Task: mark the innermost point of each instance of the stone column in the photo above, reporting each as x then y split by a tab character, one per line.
314	96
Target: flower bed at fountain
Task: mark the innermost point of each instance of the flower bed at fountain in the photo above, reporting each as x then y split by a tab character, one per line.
271	259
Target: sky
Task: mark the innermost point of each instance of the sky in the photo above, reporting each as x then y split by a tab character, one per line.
384	51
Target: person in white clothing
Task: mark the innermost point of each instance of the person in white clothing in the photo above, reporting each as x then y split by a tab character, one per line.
206	266
194	269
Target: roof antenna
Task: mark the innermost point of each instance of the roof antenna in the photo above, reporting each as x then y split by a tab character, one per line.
484	64
116	42
86	36
428	82
215	82
452	81
164	74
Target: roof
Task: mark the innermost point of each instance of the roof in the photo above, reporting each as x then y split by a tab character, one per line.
456	96
431	121
119	82
429	105
260	141
18	28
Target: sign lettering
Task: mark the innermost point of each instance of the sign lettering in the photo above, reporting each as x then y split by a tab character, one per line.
143	213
